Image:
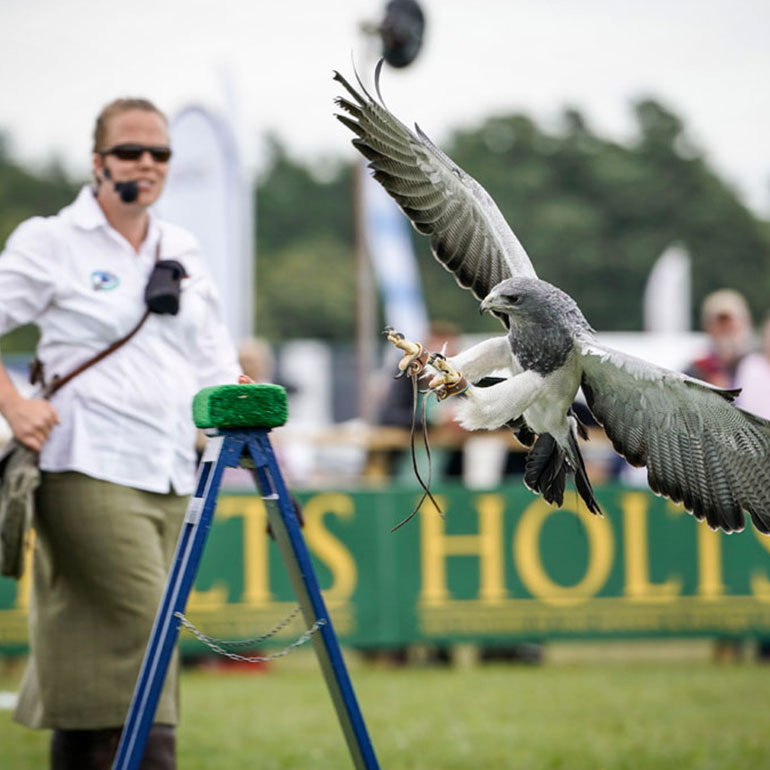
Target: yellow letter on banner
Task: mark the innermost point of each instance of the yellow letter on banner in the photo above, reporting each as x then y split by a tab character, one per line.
436	546
760	585
327	547
526	555
256	566
711	586
637	554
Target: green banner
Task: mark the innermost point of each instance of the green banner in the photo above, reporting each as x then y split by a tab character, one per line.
498	565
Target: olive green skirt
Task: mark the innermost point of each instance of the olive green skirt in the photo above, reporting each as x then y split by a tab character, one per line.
102	555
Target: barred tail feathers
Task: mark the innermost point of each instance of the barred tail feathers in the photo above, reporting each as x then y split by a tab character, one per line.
546	469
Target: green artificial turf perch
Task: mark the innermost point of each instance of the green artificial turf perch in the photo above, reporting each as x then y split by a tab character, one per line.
240	406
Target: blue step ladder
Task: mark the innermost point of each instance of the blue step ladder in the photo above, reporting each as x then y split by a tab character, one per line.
227	449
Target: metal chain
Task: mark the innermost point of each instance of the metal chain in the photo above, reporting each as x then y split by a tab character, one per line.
243	642
216	644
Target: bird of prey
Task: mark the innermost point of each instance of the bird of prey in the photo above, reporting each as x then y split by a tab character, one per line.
698	447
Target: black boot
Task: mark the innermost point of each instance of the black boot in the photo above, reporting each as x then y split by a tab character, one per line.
84	749
96	749
160	752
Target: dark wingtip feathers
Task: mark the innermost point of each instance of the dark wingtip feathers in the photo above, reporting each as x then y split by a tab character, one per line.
582	482
377	71
351	124
361	85
352	91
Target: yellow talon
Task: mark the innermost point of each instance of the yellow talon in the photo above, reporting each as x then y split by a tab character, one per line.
448	381
447	376
413	351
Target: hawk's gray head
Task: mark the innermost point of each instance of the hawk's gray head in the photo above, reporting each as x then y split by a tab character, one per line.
543	321
528	301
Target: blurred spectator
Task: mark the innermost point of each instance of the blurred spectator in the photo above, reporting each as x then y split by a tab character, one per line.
256	359
725	317
753	376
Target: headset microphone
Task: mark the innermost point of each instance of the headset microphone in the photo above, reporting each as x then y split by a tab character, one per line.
128	191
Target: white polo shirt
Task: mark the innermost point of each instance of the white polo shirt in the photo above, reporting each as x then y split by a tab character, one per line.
126	419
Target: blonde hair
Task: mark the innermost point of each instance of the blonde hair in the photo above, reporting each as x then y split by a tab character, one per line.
118	107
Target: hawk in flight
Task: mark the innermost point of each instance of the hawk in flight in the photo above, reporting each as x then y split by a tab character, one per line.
698	447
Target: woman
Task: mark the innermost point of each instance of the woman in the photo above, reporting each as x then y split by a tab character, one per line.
116	442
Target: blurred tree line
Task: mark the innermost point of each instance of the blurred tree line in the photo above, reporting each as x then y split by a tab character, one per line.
593	214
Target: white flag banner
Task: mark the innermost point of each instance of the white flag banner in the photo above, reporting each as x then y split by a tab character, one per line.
207	193
667	294
393	261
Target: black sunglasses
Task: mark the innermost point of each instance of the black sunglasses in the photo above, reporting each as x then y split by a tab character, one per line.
159	154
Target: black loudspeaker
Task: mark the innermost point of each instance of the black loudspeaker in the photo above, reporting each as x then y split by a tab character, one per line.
401	32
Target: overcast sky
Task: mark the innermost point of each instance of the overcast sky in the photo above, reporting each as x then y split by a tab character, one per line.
708	60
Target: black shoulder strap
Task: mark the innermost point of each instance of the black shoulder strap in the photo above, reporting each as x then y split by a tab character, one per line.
58	382
36	368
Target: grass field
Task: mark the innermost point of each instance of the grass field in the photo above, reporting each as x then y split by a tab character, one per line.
590	715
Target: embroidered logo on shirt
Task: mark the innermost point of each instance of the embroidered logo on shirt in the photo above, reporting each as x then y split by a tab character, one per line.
103	281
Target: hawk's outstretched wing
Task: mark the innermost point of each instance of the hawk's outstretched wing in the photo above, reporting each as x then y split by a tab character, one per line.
468	234
698	447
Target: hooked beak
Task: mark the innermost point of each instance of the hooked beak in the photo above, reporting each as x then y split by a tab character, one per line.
492	302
